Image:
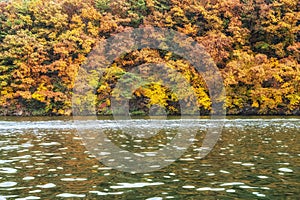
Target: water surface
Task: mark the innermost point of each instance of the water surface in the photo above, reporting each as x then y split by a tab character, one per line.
255	158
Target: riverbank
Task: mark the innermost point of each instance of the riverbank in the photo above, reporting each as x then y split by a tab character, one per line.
245	112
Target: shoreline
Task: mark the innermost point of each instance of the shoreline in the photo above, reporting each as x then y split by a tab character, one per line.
110	117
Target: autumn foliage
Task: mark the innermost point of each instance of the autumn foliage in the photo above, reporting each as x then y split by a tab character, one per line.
254	43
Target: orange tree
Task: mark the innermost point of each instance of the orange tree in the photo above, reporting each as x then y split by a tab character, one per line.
255	44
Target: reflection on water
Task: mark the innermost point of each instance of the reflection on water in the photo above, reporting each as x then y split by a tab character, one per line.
254	158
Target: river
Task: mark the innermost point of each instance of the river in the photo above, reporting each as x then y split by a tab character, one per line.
254	158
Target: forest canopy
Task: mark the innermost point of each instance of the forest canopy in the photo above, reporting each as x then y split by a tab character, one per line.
254	43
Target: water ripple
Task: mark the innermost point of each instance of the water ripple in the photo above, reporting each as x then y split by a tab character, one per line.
134	185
